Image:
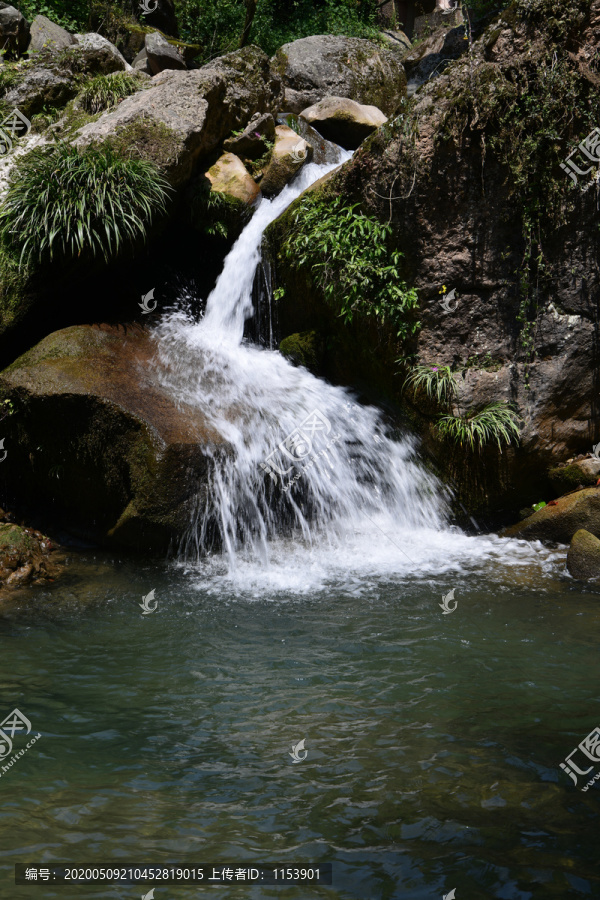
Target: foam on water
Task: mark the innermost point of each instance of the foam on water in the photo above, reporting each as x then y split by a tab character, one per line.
314	488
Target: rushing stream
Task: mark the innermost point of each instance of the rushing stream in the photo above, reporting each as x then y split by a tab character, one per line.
433	740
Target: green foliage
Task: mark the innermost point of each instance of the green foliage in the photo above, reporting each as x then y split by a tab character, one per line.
348	256
495	422
64	203
217	24
537	506
104	91
69	14
439	383
215	214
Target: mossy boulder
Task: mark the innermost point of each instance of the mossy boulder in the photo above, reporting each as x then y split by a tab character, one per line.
26	556
581	472
184	116
98	443
560	519
220	201
304	349
583	558
344	121
332	65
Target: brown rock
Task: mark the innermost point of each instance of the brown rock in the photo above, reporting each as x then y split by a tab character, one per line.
344	121
229	176
289	155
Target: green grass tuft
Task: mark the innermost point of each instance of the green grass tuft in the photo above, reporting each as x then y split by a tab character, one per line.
104	91
495	422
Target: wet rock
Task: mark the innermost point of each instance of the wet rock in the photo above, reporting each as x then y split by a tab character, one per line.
47	35
560	519
583	558
344	121
304	349
14	32
184	116
26	556
101	444
251	142
329	65
289	155
161	54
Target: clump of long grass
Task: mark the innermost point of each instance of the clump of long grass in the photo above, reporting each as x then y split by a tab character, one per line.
104	91
64	203
494	422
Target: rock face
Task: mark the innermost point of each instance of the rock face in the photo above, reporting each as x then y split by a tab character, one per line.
100	443
46	34
229	177
289	155
161	54
251	142
184	116
327	65
26	557
14	32
583	558
431	57
344	121
560	520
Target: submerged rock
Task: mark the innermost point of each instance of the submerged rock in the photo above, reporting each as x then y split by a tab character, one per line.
583	558
344	121
47	35
331	65
184	116
100	443
289	155
560	519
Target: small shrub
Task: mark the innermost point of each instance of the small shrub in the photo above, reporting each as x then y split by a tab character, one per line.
105	91
64	203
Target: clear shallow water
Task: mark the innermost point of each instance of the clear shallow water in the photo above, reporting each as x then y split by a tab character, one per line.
433	741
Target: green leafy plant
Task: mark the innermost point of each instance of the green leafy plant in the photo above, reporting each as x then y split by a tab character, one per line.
537	506
64	203
439	383
105	91
495	422
347	253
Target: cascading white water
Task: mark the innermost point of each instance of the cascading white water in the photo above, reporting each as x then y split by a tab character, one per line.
307	462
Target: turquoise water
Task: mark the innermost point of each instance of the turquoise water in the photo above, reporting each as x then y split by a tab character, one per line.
434	741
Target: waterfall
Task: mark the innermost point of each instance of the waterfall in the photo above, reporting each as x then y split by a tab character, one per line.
307	461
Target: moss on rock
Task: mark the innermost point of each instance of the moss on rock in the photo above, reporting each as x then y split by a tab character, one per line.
304	349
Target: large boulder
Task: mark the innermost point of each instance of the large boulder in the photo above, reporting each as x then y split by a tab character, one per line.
583	558
99	443
251	143
44	85
184	116
14	32
329	65
98	55
289	155
344	121
161	54
560	519
47	35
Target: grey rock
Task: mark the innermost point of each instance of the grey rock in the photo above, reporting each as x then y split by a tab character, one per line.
161	54
141	64
14	32
41	87
290	153
186	115
46	34
101	57
329	65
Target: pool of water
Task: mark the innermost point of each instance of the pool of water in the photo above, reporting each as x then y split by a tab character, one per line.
433	741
